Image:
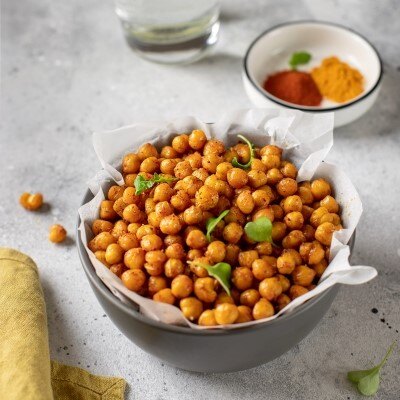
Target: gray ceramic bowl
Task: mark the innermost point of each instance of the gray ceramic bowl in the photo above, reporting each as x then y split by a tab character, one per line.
208	350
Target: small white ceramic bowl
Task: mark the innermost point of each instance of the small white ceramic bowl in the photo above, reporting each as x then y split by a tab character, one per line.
270	52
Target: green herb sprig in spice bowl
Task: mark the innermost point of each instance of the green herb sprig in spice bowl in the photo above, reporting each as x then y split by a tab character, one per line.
299	58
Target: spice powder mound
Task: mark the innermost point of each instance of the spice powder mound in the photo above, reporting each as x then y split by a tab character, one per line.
294	87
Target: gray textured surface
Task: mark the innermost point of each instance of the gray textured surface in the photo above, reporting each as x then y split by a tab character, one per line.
66	71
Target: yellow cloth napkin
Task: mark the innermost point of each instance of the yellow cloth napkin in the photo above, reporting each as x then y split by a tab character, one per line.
26	372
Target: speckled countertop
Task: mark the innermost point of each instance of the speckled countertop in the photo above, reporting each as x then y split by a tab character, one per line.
66	71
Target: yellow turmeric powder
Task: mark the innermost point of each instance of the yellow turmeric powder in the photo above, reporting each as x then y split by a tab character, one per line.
337	81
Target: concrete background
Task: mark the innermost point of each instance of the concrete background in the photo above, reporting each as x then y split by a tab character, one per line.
66	71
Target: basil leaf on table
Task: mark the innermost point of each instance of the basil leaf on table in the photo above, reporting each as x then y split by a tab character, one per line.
259	230
368	380
213	222
299	58
142	184
235	161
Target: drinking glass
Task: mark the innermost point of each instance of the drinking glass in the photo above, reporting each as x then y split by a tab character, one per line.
169	31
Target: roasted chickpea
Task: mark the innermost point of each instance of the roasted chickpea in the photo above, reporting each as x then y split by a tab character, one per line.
154	219
288	169
183	169
118	269
263	309
170	225
232	253
207	318
274	176
307	212
332	218
201	174
286	263
155	284
181	200
222	170
193	215
303	275
260	198
150	165
197	139
171	239
190	185
270	288
57	233
242	278
129	196
163	192
175	250
196	266
324	233
206	198
196	239
156	257
294	220
147	150
134	258
181	286
316	216
330	204
309	232
211	161
101	241
305	195
114	253
237	178
246	258
133	279
245	202
129	180
100	225
297	291
191	308
235	215
245	314
164	296
151	242
101	256
224	298
154	269
271	160
284	282
233	232
257	178
168	152
293	240
174	267
195	160
144	230
278	231
167	166
282	301
218	185
216	251
115	192
130	164
120	227
226	314
264	212
287	187
163	209
213	146
320	267
312	253
204	289
249	297
292	203
107	211
128	241
132	213
271	149
320	188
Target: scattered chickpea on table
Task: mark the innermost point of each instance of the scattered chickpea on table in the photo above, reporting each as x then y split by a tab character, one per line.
156	241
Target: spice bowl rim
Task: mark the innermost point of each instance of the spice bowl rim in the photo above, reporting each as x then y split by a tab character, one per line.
314	109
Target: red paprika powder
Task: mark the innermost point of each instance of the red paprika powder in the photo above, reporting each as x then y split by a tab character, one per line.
294	87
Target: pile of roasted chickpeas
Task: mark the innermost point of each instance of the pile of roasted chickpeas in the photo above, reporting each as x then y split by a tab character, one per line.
156	241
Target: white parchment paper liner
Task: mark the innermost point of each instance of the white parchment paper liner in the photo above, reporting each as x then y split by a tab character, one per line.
306	140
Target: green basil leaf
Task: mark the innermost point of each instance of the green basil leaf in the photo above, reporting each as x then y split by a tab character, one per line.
222	273
368	380
259	230
369	385
142	184
235	161
356	376
213	222
299	58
